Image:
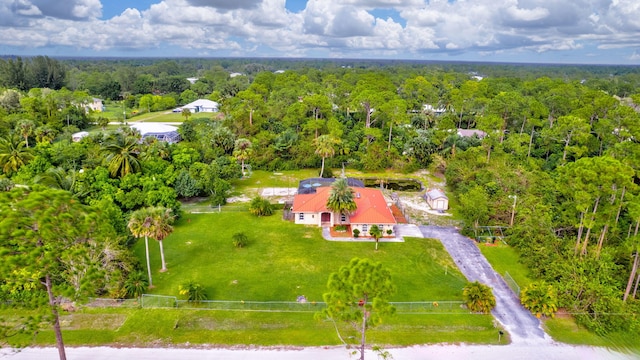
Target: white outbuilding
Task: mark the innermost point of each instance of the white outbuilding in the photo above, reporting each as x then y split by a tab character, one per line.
437	200
159	131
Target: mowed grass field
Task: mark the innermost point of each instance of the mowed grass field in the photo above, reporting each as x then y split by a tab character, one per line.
281	262
284	260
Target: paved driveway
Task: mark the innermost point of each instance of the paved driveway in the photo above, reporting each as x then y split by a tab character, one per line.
518	321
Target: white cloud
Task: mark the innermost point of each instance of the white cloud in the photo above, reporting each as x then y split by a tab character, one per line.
527	14
331	27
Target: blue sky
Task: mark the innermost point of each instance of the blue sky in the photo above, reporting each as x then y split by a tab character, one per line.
536	31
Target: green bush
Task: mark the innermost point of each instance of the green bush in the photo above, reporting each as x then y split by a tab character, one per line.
136	284
240	240
260	207
193	291
478	297
356	233
340	227
540	298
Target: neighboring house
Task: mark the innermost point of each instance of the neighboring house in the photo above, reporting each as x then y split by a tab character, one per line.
430	108
372	209
161	132
471	132
96	105
79	136
200	105
437	200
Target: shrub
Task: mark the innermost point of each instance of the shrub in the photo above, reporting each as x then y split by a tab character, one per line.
240	240
260	207
389	231
540	298
193	291
356	233
478	297
136	284
341	227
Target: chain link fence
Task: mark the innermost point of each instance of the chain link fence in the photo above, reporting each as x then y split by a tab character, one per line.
160	301
512	283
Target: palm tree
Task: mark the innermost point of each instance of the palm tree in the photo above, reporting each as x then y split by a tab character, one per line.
242	151
122	155
341	198
13	154
57	178
324	148
478	297
26	128
186	113
161	228
140	224
376	232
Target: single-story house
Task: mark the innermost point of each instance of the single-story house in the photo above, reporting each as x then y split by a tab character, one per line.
372	209
161	132
431	108
437	200
79	136
201	105
96	105
471	132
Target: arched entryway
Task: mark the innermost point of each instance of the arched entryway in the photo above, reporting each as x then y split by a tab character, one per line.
325	218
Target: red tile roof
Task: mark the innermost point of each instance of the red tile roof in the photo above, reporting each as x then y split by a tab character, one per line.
371	205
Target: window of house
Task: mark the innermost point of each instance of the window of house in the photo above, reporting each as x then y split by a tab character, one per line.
343	217
301	216
365	228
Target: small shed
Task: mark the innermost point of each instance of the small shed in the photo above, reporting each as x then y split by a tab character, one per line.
437	200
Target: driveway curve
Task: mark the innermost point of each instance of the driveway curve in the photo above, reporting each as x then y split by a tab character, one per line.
523	327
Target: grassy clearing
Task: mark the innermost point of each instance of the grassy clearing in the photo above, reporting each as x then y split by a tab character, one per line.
504	258
284	260
566	330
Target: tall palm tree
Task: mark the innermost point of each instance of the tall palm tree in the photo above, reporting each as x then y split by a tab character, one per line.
122	155
324	148
26	129
242	151
140	224
341	198
13	154
161	228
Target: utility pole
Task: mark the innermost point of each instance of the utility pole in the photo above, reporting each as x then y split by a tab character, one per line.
513	208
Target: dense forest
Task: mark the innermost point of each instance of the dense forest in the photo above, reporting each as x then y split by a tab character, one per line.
557	148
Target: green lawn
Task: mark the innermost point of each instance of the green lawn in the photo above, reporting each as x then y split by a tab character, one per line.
284	260
166	327
263	179
504	258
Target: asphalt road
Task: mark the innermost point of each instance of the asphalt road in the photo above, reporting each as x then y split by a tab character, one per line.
518	321
435	352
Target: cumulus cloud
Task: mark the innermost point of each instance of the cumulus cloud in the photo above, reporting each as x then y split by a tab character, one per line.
226	4
68	9
329	27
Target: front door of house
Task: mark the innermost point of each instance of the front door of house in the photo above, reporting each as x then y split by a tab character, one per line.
325	217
